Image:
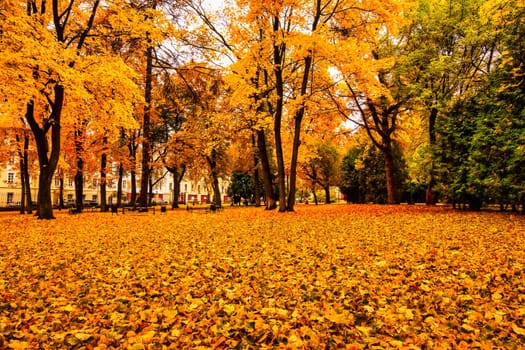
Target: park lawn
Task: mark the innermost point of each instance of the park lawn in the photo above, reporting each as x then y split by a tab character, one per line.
331	276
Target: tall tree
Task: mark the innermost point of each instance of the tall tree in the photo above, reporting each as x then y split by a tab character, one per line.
450	51
479	148
322	168
43	63
376	104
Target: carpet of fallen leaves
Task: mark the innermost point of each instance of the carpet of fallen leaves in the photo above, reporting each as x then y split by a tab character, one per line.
326	277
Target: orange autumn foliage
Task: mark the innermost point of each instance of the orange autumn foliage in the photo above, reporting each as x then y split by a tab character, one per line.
337	276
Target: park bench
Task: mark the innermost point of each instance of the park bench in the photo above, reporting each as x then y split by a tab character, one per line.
114	209
91	207
146	209
207	209
72	209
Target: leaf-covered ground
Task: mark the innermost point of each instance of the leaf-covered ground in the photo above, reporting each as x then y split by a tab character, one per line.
322	277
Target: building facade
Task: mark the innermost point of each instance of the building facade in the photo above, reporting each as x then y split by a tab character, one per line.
194	192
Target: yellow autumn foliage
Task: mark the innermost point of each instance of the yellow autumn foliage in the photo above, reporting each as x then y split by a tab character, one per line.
336	276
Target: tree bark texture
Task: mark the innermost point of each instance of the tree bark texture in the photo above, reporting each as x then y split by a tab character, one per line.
266	170
146	130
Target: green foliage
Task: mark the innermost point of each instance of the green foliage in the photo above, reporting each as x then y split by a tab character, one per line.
241	184
452	155
482	139
363	176
322	167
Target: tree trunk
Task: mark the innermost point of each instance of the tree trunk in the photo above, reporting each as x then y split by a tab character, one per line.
256	184
176	190
22	155
316	200
103	178
45	208
177	178
217	200
25	175
256	191
119	184
133	179
47	159
23	184
430	197
151	198
266	170
61	192
297	131
279	88
132	147
327	194
146	133
293	163
212	163
390	175
79	175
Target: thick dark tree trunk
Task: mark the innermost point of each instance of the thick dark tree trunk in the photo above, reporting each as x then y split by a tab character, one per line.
293	163
25	175
61	192
103	182
212	163
23	158
47	158
266	170
430	194
327	194
119	184
45	208
23	184
51	124
277	119
256	186
132	147
133	179
299	114
79	186
79	175
390	175
146	131
178	175
176	190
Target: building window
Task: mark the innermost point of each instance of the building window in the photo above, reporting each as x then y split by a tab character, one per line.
10	197
70	182
10	178
185	187
95	182
171	186
57	181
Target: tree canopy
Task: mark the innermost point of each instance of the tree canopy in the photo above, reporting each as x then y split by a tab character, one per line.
268	87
